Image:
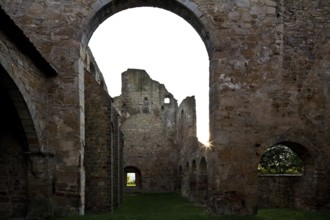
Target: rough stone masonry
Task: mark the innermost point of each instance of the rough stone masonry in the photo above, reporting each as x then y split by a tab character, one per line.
61	137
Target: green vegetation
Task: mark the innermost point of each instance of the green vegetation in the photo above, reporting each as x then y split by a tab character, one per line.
170	206
280	159
130	179
130	184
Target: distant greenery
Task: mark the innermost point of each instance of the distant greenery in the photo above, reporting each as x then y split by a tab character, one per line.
280	159
130	182
170	206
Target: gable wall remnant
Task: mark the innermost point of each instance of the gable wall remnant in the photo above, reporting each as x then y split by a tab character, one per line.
149	128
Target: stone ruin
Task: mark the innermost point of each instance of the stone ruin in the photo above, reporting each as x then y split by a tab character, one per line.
157	133
62	140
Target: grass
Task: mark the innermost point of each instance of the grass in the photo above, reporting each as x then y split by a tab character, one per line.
170	206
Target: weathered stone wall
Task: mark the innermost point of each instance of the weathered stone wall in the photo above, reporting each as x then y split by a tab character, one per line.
188	145
60	97
149	128
98	150
252	104
186	127
117	164
23	78
280	191
102	150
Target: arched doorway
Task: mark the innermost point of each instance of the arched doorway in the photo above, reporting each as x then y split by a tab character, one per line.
202	181
13	149
132	179
185	189
193	181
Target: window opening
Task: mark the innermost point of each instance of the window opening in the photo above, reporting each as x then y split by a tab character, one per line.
280	159
167	100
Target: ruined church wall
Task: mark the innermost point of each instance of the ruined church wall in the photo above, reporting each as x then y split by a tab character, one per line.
53	36
188	146
301	106
102	159
31	83
149	129
280	191
186	130
27	172
255	103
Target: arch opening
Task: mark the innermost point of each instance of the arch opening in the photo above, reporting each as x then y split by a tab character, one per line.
280	159
193	181
132	179
13	149
159	47
193	17
285	171
202	182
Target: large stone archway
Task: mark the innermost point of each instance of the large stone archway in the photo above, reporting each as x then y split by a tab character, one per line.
13	164
24	164
188	10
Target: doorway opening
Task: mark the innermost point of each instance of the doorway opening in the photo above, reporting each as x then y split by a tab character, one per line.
130	180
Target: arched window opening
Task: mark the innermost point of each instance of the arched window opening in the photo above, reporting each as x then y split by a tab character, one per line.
193	181
145	107
193	167
280	182
203	166
187	168
132	178
280	159
202	182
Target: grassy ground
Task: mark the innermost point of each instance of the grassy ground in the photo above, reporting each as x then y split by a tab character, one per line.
170	206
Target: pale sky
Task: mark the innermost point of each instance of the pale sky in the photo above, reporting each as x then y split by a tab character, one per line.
164	45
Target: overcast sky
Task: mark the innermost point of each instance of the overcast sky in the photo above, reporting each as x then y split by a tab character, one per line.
164	45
